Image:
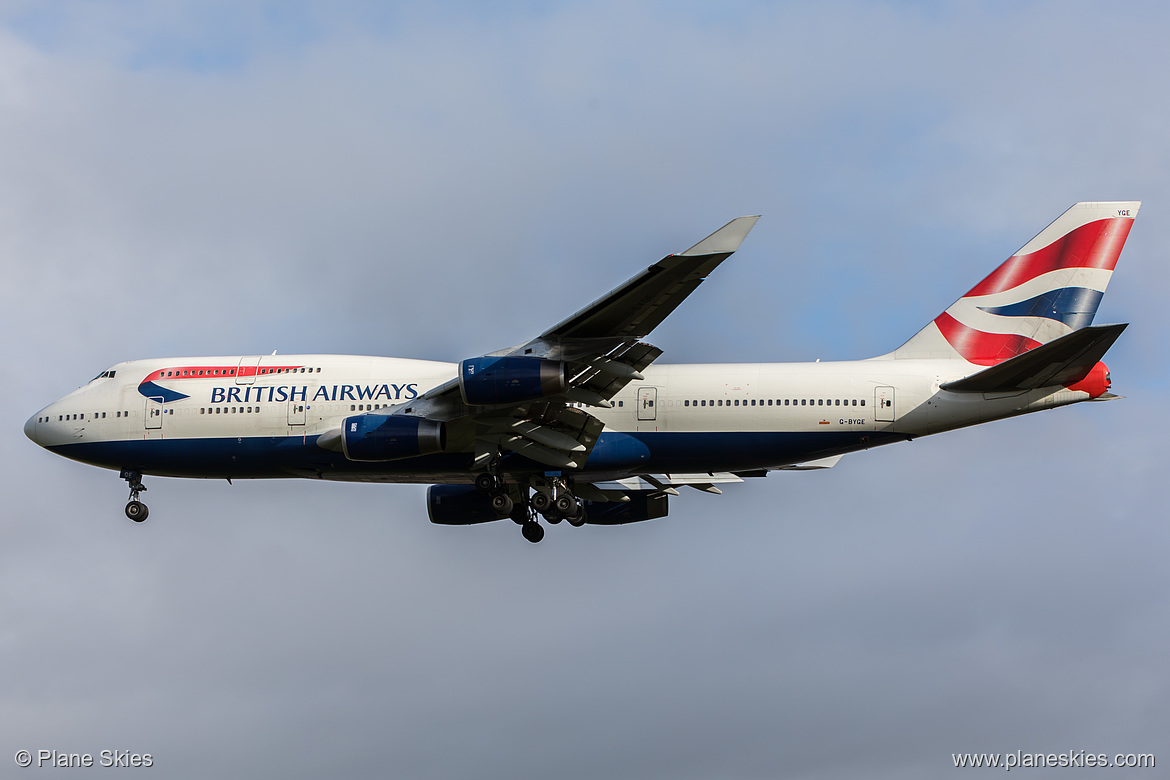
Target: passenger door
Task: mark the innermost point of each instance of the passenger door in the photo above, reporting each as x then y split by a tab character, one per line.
296	412
154	412
647	397
883	400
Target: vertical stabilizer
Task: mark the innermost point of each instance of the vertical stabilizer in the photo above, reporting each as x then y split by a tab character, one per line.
1048	289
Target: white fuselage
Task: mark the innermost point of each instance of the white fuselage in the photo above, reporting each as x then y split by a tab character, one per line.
260	417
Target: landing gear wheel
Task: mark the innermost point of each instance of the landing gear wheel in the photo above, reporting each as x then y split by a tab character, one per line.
486	483
503	504
553	516
578	519
533	531
137	511
541	502
565	504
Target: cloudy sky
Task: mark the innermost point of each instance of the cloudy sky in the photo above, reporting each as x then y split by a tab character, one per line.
442	180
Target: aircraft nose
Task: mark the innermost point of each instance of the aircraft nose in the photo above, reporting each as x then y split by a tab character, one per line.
30	429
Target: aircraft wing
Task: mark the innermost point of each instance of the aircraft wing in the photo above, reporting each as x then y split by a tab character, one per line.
602	352
638	306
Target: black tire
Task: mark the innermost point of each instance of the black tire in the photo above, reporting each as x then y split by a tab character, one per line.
519	514
137	511
580	518
485	483
541	502
503	505
565	504
532	531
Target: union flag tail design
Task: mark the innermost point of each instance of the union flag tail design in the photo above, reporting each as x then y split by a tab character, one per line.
1048	289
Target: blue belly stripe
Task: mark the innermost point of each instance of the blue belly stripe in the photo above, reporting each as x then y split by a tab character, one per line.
263	457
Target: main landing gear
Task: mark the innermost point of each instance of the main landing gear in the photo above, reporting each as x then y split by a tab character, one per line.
135	509
553	501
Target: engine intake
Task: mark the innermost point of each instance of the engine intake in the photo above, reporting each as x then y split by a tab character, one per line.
485	381
382	437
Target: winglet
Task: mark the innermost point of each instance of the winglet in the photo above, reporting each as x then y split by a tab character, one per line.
725	240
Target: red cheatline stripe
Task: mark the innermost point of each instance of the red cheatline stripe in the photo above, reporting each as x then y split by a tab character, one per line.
982	349
213	372
1095	245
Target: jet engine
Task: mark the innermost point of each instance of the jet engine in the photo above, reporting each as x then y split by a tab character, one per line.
484	381
390	437
459	505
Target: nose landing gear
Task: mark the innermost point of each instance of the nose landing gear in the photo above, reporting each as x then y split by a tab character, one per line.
135	509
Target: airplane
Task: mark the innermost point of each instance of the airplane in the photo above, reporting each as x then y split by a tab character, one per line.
577	424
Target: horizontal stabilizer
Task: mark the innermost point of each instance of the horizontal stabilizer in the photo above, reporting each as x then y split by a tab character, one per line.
1065	361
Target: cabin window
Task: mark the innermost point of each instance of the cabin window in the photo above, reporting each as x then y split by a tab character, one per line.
863	402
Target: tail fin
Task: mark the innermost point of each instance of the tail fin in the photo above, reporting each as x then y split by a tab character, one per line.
1048	289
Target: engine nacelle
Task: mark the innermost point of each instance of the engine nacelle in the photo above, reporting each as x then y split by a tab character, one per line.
484	381
390	437
641	506
459	505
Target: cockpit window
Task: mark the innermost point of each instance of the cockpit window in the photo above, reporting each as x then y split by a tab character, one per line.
103	375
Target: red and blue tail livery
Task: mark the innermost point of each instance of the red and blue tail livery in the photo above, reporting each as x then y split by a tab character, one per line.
1048	289
581	423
